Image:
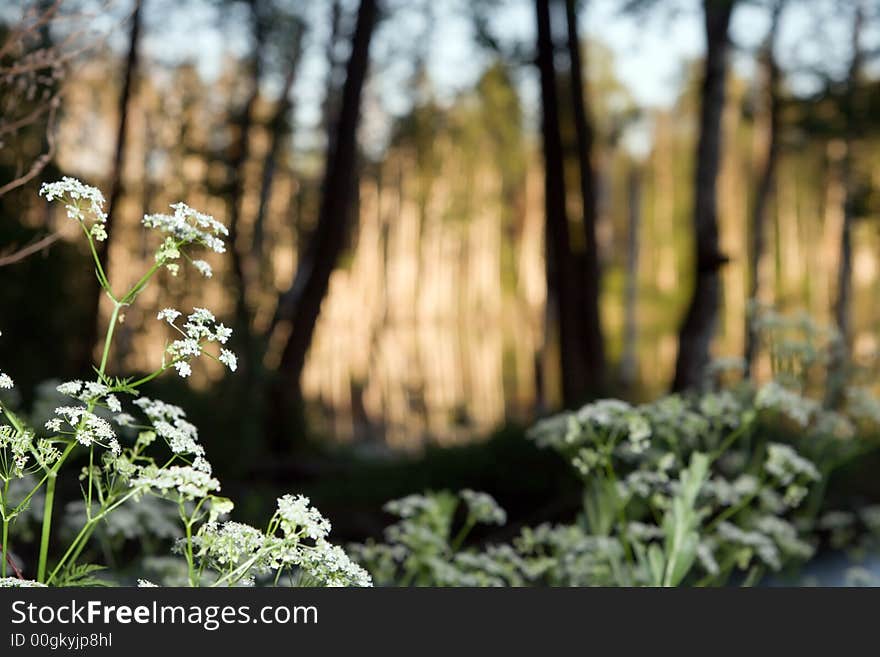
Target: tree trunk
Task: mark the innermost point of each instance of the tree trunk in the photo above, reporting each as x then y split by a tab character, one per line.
131	65
237	157
843	302
696	333
591	330
766	181
301	304
277	126
560	269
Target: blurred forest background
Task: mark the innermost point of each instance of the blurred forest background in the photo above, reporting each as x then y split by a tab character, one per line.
448	218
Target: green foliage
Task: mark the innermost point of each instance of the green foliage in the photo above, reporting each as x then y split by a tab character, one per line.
701	489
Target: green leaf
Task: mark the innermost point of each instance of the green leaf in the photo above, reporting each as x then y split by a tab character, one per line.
681	521
657	563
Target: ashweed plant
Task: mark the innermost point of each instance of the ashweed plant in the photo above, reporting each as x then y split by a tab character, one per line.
138	447
717	486
426	546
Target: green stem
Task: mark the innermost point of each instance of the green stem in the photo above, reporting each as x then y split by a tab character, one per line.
114	317
79	542
102	277
733	510
465	530
51	479
5	546
47	524
190	564
731	438
91	468
137	287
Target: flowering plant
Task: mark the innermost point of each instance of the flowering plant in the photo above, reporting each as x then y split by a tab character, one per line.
147	448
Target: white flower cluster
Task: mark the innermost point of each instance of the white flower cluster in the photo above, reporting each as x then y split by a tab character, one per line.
863	405
410	506
787	465
18	444
86	427
761	544
90	391
598	421
14	582
169	422
187	226
79	200
239	552
6	381
297	518
228	543
203	268
483	507
330	564
773	396
186	481
200	328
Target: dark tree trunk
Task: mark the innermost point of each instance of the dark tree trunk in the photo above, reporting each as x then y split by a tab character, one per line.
695	336
591	329
766	180
560	268
301	304
277	127
131	66
243	119
843	301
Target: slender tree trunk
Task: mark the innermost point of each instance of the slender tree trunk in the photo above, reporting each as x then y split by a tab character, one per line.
843	301
629	362
277	127
131	66
238	155
695	336
301	304
560	269
766	181
593	341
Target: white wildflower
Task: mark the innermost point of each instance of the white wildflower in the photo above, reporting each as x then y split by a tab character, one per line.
331	565
228	358
124	419
6	381
88	428
169	422
70	388
186	481
297	518
776	397
222	333
483	507
203	268
113	403
169	315
146	584
14	582
78	199
786	464
183	368
189	226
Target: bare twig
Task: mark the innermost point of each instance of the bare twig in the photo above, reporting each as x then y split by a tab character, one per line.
21	254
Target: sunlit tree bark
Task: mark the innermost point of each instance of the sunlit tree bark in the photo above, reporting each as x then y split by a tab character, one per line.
301	304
